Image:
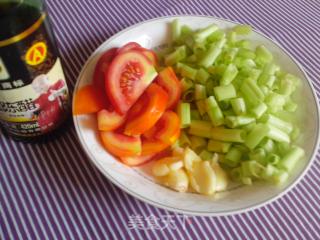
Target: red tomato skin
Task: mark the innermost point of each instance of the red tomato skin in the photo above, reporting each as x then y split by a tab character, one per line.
128	46
102	67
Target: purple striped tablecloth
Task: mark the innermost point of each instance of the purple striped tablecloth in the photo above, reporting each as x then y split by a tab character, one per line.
52	191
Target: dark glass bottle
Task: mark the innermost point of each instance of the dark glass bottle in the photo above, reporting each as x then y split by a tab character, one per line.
34	97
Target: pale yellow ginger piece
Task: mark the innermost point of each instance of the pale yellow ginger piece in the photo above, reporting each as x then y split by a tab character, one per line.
189	158
203	178
163	166
221	177
177	180
177	152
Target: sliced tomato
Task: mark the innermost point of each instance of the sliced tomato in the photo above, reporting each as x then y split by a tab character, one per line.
129	74
88	100
109	120
102	67
139	160
169	81
121	145
152	147
147	110
129	46
167	129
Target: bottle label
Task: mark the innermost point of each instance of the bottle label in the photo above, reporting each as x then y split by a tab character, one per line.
33	92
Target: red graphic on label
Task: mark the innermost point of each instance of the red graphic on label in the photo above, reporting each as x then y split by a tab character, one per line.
50	102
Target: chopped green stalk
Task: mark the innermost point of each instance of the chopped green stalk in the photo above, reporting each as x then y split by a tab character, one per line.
213	52
242	29
201	105
204	33
238	106
225	92
280	177
183	111
246	53
287	86
275	101
178	55
268	145
236	121
176	29
291	158
259	110
206	155
263	55
283	148
200	92
217	146
198	142
186	30
187	71
209	86
268	71
249	127
254	88
228	135
233	157
230	54
229	74
186	84
192	59
243	43
256	135
278	135
258	154
200	129
216	36
279	123
195	115
251	169
244	63
290	106
202	76
214	112
184	141
295	133
231	37
268	172
188	96
246	180
273	159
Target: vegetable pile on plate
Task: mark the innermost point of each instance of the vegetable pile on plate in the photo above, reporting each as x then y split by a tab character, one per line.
224	109
134	104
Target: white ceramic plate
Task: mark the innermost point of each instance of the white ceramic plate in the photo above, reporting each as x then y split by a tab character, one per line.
139	183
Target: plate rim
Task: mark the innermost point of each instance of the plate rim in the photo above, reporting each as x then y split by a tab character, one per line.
192	212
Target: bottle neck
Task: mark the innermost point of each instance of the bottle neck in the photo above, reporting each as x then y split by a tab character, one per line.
16	16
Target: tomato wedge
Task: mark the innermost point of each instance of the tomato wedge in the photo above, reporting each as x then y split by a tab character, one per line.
129	74
147	110
102	67
121	145
167	129
88	100
139	160
109	120
152	147
129	46
169	81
